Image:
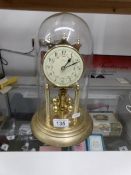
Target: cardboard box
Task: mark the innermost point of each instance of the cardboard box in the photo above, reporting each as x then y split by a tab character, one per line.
106	124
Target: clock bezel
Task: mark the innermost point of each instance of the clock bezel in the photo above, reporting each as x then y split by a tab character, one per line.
67	46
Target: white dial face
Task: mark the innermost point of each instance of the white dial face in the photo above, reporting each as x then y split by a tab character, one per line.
63	66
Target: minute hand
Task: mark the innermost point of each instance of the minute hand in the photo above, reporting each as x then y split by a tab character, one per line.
72	64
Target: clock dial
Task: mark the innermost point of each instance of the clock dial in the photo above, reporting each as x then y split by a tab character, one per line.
63	66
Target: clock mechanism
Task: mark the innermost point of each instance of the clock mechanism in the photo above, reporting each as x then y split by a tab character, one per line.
62	119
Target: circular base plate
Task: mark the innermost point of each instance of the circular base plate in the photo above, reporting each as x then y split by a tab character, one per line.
61	137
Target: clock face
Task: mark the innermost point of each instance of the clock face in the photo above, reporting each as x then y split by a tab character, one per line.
63	66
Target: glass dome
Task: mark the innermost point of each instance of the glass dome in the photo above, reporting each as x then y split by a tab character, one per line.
65	53
67	25
69	28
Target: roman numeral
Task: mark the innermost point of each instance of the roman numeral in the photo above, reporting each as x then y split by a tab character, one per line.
63	52
56	54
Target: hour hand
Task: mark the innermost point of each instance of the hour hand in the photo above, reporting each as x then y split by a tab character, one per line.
68	61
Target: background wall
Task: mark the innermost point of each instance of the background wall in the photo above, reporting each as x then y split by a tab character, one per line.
111	35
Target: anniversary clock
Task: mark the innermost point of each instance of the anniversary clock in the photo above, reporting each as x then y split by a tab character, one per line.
65	52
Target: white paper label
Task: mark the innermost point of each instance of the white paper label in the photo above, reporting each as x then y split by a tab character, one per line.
4	147
76	115
61	123
5	89
10	137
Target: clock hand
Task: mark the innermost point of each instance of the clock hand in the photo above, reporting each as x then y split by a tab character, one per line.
68	61
72	64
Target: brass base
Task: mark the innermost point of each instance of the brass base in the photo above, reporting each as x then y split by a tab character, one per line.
61	137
